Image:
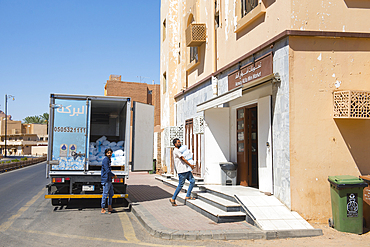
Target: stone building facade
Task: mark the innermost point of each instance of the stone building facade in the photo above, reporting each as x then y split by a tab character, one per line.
269	85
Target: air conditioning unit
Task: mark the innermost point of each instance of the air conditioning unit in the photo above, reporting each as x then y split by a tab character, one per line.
172	132
195	34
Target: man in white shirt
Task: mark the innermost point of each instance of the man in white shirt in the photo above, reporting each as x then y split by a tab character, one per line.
183	169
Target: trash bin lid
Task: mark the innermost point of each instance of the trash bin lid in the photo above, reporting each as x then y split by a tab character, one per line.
229	166
366	178
347	181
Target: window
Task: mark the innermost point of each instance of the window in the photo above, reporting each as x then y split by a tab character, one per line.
164	30
46	138
217	15
248	11
164	84
179	55
41	138
194	54
247	6
29	139
217	19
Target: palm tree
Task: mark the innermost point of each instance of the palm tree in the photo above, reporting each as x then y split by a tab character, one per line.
45	118
33	120
42	119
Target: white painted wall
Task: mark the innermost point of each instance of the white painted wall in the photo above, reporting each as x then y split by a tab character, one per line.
264	145
216	143
39	150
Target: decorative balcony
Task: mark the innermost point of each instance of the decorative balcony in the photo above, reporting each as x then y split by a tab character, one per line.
352	104
195	34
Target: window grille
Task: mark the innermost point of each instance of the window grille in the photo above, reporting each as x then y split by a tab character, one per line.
198	125
172	132
352	104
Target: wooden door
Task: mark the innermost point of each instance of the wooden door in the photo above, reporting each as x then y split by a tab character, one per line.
247	148
193	141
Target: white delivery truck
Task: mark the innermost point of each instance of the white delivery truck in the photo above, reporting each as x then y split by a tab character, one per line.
81	127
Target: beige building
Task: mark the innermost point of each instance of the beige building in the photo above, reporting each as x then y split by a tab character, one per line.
279	87
23	139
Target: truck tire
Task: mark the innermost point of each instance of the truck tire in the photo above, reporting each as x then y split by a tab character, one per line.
119	201
331	223
59	202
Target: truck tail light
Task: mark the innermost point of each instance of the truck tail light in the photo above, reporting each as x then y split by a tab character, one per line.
58	180
67	179
118	180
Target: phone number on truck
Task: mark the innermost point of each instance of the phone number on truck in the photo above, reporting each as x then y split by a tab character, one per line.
70	129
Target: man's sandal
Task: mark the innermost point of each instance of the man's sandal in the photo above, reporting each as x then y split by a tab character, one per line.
173	203
190	198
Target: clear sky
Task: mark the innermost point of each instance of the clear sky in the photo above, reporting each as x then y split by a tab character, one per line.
72	46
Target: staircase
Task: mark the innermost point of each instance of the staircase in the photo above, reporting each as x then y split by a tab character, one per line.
218	207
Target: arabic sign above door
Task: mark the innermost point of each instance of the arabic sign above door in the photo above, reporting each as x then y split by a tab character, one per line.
252	71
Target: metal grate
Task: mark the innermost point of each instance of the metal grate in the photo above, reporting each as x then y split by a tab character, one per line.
199	125
172	132
352	104
195	34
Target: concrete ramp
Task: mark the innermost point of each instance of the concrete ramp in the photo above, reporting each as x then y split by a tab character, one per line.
266	212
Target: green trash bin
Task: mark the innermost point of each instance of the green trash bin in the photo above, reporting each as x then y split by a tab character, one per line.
346	203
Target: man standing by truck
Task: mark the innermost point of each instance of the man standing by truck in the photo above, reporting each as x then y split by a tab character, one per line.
106	181
183	169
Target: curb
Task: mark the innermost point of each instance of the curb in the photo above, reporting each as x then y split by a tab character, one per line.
156	229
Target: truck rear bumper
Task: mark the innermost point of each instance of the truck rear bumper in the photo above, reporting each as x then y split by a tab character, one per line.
82	196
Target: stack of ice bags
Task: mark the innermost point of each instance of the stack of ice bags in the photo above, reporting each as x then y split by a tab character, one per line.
97	152
69	163
187	154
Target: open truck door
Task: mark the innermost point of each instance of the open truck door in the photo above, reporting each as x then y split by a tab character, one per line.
142	137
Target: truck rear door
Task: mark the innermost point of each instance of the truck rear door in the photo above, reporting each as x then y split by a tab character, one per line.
70	133
142	137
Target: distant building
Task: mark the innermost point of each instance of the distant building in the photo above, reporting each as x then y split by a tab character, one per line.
143	93
23	139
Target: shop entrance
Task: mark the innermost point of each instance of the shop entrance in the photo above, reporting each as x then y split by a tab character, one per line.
247	146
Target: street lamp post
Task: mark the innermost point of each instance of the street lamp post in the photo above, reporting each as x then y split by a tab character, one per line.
6	117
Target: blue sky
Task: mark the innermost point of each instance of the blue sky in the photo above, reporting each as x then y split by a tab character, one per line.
72	46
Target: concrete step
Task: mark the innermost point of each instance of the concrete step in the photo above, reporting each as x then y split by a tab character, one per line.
219	202
184	189
217	193
212	212
166	175
199	181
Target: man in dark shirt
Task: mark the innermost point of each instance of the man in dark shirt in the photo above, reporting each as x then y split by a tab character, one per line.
106	181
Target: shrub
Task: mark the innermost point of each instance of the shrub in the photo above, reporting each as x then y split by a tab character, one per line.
15	160
24	158
8	161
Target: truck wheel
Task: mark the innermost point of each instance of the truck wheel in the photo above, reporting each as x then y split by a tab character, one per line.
59	202
331	223
119	201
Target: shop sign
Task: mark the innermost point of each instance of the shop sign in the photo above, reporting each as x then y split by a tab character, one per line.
252	71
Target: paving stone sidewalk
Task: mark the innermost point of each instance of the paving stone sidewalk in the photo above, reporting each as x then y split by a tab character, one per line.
149	200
